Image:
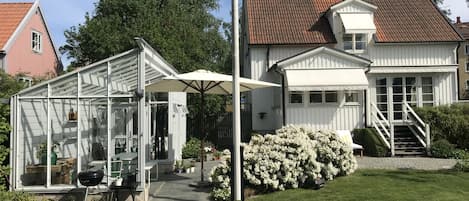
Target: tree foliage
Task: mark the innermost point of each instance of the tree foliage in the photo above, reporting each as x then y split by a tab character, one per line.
8	87
183	31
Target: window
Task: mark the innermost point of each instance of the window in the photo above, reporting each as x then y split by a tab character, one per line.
331	96
351	97
315	97
467	49
323	97
296	97
427	91
467	66
354	42
467	85
36	41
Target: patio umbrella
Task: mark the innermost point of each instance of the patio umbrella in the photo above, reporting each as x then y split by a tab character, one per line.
204	82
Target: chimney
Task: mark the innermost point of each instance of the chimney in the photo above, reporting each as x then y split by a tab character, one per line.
458	19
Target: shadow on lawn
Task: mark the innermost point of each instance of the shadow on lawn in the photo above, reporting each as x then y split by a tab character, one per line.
408	174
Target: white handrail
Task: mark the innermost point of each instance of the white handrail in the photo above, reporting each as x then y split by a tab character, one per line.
381	134
380	114
414	114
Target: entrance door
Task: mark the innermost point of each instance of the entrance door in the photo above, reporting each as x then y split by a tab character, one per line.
391	93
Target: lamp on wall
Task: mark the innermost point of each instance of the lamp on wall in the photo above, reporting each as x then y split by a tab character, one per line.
262	115
72	116
138	93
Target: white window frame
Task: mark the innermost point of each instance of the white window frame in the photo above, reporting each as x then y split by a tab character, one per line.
354	42
323	97
357	102
36	42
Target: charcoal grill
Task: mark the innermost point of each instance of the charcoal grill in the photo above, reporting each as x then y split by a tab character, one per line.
90	178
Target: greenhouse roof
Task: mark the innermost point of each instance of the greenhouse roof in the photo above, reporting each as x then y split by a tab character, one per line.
116	76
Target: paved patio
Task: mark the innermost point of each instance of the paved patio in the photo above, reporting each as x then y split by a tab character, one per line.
182	187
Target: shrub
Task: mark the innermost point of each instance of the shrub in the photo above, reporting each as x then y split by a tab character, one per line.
371	142
15	196
442	149
191	149
292	158
462	165
448	122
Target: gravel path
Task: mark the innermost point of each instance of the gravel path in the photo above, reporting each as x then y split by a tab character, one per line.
419	163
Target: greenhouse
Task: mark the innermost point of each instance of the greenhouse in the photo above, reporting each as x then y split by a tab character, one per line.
96	117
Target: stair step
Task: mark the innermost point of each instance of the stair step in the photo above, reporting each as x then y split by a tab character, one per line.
410	148
409	153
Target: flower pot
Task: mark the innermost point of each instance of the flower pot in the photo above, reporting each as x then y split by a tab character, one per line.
179	171
188	170
118	182
53	158
192	169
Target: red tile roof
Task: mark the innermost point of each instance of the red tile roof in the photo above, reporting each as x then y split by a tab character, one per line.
463	29
301	22
11	15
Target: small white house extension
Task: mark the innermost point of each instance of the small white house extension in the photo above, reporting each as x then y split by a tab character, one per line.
92	118
350	64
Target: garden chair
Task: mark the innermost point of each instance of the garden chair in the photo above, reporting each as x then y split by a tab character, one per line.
346	136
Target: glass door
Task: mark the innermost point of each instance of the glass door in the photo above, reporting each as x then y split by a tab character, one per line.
382	95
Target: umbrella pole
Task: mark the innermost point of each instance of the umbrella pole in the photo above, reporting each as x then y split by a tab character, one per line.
202	129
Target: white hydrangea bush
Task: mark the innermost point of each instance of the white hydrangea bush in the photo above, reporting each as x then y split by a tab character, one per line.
291	158
220	179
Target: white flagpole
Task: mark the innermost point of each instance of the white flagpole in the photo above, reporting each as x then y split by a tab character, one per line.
236	105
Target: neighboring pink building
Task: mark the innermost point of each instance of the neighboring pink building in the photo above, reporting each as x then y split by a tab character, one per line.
25	42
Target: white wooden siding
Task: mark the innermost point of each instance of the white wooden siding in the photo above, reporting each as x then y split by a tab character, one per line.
326	117
323	61
352	8
412	55
262	99
445	88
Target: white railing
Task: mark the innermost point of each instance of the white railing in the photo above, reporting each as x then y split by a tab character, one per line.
421	130
383	127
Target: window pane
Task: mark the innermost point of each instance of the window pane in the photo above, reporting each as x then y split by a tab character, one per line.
411	89
427	81
427	97
397	98
412	97
397	81
315	97
381	81
348	41
383	107
351	97
410	81
381	90
382	98
331	96
397	90
427	89
360	41
467	67
296	97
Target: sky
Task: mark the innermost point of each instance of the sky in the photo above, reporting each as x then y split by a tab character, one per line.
60	15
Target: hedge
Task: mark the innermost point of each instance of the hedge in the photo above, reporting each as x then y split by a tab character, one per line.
448	122
369	139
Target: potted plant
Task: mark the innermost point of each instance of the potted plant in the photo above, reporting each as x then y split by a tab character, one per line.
216	155
187	168
41	153
118	181
178	167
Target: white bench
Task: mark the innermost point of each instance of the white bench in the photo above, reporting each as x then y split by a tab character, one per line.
346	136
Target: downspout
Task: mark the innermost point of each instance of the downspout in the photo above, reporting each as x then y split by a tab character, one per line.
2	59
458	97
365	94
284	117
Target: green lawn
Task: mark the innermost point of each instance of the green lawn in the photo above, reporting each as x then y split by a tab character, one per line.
384	185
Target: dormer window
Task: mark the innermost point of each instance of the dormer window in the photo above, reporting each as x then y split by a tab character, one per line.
354	42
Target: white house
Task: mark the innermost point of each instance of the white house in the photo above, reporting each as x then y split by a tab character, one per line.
350	64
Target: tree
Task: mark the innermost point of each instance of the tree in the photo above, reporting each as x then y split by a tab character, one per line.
183	31
8	87
445	11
